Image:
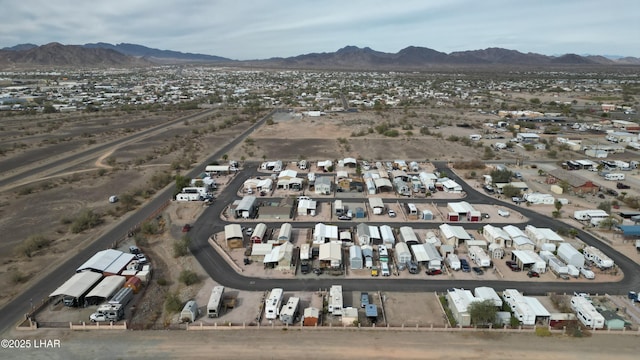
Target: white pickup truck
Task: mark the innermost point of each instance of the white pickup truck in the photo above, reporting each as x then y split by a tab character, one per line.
503	213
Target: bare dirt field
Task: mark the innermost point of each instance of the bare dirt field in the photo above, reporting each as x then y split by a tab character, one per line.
349	344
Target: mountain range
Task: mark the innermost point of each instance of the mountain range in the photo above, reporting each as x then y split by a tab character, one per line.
349	57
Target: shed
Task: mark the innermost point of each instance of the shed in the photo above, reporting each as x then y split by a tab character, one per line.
427	214
310	316
612	321
355	257
371	312
190	312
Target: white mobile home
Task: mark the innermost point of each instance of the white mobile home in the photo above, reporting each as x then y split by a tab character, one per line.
386	233
583	215
289	311
403	255
408	236
215	301
272	304
586	312
479	256
596	256
335	300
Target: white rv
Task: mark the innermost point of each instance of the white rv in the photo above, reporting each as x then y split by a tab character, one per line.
215	301
614	176
272	304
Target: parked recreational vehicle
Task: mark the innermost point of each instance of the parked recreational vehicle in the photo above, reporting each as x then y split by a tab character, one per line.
453	261
588	274
479	256
122	297
583	215
335	300
614	176
596	256
289	311
215	301
108	312
190	312
272	304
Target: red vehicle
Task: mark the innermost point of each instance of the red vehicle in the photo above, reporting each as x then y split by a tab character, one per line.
186	228
532	273
434	272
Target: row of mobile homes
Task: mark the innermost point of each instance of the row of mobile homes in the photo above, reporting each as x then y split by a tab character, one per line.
597	257
570	255
272	304
215	302
541	236
586	312
289	311
335	300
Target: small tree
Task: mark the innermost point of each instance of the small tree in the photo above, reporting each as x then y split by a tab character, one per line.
482	312
607	223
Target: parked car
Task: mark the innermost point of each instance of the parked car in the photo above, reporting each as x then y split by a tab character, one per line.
186	228
391	213
374	271
612	192
532	273
344	217
517	199
464	265
305	268
249	231
134	249
513	265
477	270
141	258
503	213
434	272
622	186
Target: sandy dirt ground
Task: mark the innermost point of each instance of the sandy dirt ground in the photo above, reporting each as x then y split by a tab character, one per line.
319	344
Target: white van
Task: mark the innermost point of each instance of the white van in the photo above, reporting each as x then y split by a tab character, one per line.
385	269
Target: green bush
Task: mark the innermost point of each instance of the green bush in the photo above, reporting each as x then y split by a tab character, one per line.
189	277
181	247
172	303
86	220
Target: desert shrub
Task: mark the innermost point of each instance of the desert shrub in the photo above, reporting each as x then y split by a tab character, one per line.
172	303
18	277
181	247
542	331
188	277
149	228
33	244
87	219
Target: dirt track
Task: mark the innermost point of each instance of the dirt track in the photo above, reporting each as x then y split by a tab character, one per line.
312	344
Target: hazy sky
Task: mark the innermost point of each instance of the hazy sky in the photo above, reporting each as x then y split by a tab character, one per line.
258	29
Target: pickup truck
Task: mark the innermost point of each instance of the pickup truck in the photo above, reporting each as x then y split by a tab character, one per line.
622	186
